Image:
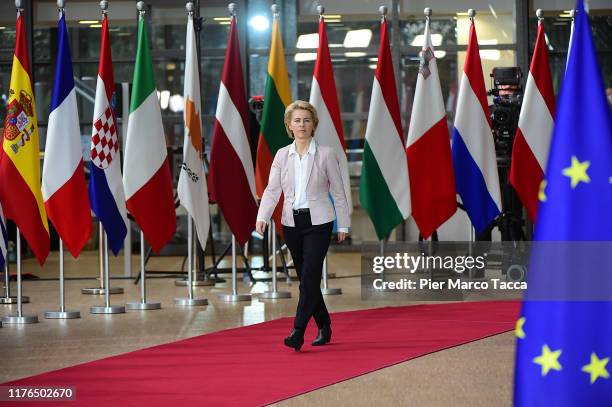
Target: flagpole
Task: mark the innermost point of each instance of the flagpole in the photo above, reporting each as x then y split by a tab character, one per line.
19	318
143	305
100	290
62	313
7	299
274	294
190	301
234	296
106	308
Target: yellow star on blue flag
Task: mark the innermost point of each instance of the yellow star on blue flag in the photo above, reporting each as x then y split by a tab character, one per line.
562	353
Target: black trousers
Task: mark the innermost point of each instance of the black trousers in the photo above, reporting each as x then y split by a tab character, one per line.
308	244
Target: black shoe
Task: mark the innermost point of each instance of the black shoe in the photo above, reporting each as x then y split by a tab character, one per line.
323	337
295	339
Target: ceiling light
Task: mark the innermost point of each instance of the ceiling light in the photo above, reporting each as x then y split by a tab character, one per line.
490	54
88	22
308	41
259	23
355	54
439	54
305	56
357	38
419	40
222	18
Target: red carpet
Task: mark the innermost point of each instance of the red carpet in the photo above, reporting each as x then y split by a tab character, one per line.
251	366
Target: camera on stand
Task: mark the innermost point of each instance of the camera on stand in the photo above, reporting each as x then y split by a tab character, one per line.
507	92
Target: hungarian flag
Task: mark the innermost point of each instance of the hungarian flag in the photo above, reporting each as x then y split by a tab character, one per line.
385	190
473	149
105	184
146	172
231	173
63	180
192	189
20	191
324	98
273	135
432	181
532	141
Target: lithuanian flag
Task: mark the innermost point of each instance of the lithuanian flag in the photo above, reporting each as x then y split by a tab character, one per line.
20	191
277	96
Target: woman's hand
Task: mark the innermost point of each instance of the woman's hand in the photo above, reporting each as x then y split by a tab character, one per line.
260	227
342	236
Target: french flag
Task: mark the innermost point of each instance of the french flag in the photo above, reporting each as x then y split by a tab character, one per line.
105	182
63	181
532	141
473	149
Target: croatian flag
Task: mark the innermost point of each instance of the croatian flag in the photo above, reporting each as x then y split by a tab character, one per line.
63	181
105	183
473	148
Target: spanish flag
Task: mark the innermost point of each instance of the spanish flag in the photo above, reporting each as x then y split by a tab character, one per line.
20	191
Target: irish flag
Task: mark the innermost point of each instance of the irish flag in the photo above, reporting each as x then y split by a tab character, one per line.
20	191
146	172
385	190
324	98
276	97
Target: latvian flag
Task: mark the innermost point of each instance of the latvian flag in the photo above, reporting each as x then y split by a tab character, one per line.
532	141
473	148
231	176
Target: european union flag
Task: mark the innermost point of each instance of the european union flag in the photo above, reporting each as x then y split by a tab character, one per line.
564	335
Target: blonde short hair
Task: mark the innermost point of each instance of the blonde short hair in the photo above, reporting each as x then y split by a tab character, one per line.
300	105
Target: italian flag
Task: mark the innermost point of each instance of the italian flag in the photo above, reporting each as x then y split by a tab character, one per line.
146	172
385	189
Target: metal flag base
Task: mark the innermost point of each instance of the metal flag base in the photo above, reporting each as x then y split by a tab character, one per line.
194	283
101	291
101	309
13	300
24	319
143	306
234	297
331	291
274	295
191	302
62	314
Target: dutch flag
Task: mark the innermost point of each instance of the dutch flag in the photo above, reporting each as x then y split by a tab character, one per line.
473	148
